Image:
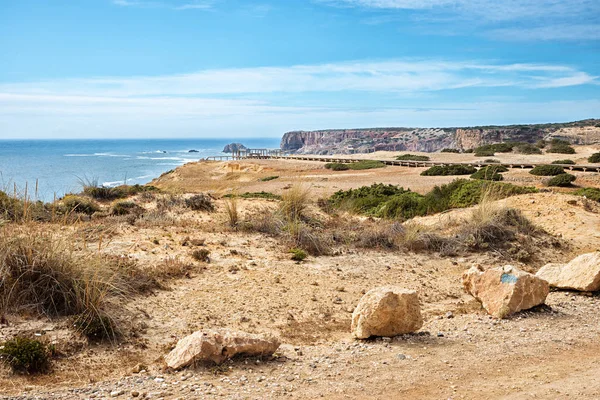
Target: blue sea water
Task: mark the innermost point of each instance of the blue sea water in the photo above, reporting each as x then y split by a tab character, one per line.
59	166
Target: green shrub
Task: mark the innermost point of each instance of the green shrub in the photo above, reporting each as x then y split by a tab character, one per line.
450	151
490	173
298	254
506	147
367	164
541	143
412	157
445	170
393	202
491	160
590	193
113	193
124	207
562	180
337	166
80	205
25	355
468	151
547	170
564	162
255	195
594	158
484	153
200	202
357	166
269	178
561	147
527	148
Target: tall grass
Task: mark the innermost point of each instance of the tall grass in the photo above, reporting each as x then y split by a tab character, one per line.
231	208
42	273
294	202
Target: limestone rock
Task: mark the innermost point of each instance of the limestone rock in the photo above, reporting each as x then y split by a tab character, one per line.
582	273
505	290
218	346
386	311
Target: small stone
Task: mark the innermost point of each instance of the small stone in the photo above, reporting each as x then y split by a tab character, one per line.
449	315
135	394
401	357
116	393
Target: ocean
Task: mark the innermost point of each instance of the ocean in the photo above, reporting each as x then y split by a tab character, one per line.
60	166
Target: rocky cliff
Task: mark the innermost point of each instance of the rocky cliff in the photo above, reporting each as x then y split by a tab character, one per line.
350	141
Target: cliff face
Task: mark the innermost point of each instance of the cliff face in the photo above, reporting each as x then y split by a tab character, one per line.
350	141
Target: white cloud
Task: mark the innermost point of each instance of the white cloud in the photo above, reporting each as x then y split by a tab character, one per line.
552	32
412	76
174	5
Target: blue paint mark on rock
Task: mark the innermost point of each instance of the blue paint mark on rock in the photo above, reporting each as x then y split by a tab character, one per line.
508	278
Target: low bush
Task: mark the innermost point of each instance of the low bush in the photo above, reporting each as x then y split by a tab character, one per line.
450	151
101	192
527	148
200	202
412	157
79	204
254	195
594	158
490	173
547	170
560	146
124	207
269	178
202	255
337	166
445	170
564	162
393	202
541	143
484	153
562	180
24	355
491	160
298	254
590	193
506	147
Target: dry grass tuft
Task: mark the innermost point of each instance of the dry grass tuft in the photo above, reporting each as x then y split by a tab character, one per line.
231	207
294	202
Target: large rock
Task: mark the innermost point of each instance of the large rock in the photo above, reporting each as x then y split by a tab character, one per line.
582	273
234	148
218	346
387	311
505	290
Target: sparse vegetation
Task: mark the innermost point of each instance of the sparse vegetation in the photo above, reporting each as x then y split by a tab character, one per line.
298	254
547	170
562	180
445	170
255	195
450	151
106	193
491	149
200	202
231	207
202	255
124	207
25	356
490	173
564	162
491	160
560	146
357	166
594	158
80	204
527	148
412	157
269	178
589	193
393	202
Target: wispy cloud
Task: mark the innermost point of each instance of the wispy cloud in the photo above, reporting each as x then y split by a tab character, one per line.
173	5
515	20
412	76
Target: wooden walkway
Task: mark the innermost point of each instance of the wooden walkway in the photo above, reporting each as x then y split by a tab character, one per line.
416	164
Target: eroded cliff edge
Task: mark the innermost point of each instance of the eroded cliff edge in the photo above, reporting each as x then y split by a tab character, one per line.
349	141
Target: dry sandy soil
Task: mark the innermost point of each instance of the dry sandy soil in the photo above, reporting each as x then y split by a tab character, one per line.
252	285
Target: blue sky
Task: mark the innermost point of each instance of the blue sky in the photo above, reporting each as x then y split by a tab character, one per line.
232	68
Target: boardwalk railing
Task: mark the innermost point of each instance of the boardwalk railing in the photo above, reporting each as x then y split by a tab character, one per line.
280	155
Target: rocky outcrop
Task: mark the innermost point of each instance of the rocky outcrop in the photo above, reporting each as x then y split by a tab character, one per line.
351	141
582	273
386	311
506	290
218	346
234	148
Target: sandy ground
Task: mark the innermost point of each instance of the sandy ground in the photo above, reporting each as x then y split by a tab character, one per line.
252	285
